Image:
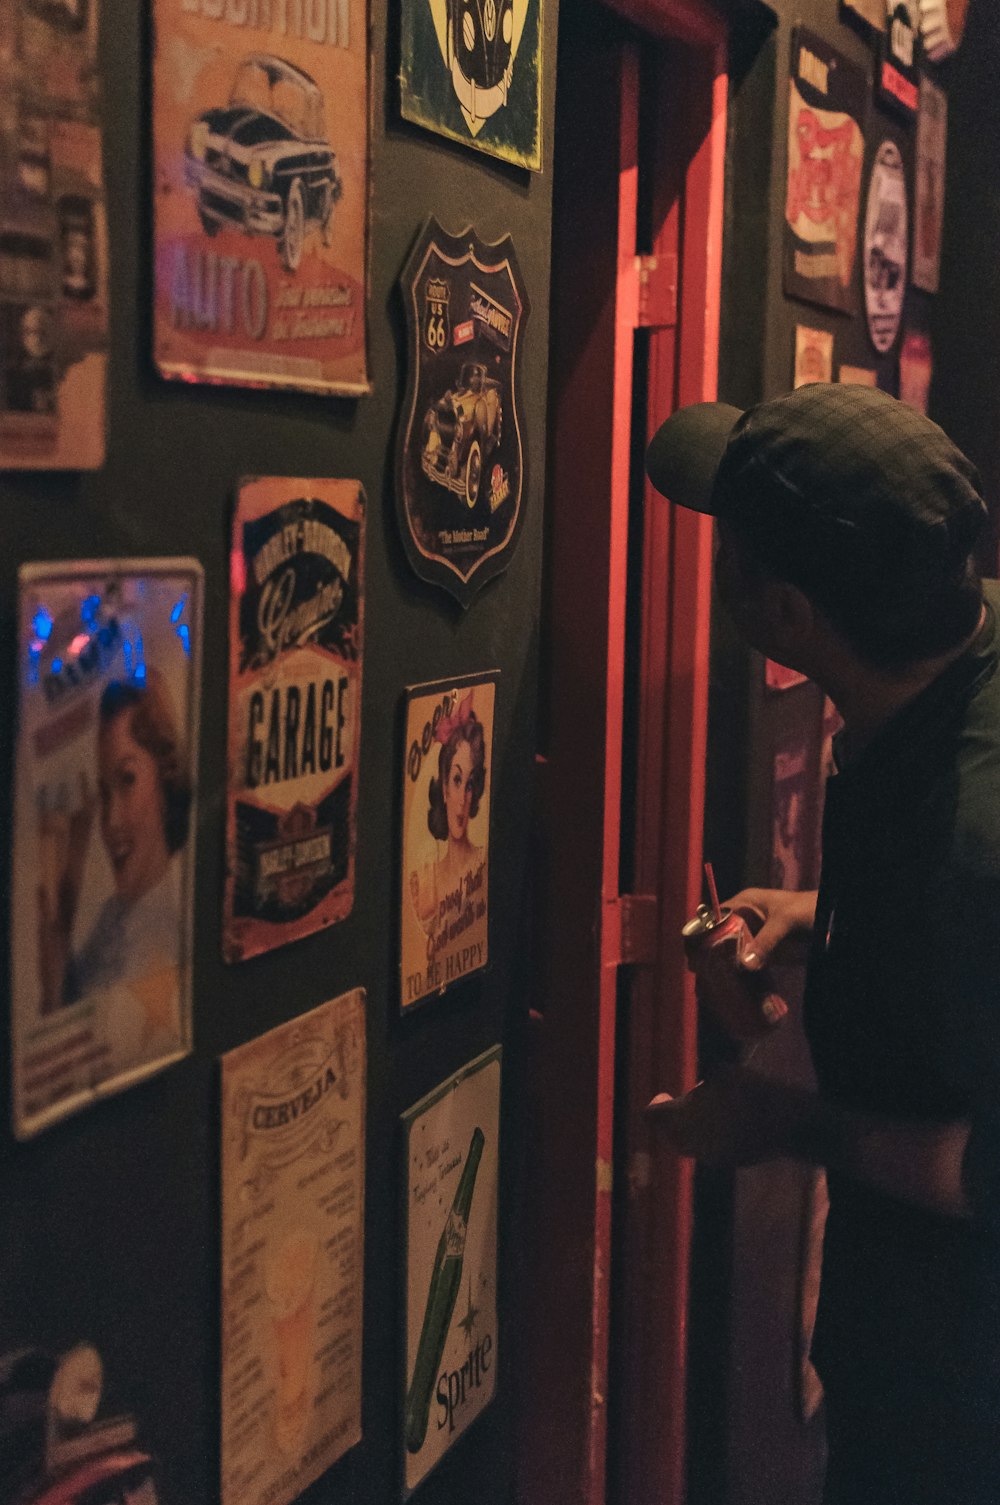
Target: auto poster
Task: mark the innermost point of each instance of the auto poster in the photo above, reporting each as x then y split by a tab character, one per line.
472	71
461	459
444	905
813	355
59	1443
897	68
104	829
293	1179
53	238
928	211
452	1164
295	644
886	229
828	100
260	125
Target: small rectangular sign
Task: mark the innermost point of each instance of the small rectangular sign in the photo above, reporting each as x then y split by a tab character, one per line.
295	646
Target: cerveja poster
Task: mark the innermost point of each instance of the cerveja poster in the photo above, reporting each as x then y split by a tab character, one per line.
452	1173
461	452
472	71
53	232
828	100
447	772
103	828
260	130
296	620
293	1177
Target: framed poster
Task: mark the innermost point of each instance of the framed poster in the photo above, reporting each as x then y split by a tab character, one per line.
260	140
461	456
53	227
451	1190
789	833
928	211
916	367
885	246
828	104
897	70
295	656
473	72
59	1442
103	861
444	902
859	376
813	355
942	23
293	1185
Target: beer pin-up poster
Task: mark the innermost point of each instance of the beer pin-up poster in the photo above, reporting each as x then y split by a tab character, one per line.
447	772
260	127
828	100
452	1172
293	1178
295	646
103	829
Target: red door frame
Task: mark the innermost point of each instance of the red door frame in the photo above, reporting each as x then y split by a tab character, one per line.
563	1436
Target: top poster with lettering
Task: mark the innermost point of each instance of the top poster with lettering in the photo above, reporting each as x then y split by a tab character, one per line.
828	105
295	646
260	125
473	72
104	829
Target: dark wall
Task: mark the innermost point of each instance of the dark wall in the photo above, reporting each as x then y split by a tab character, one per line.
747	1266
109	1221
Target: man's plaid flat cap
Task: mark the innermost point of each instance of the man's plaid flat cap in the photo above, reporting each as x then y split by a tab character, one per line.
838	468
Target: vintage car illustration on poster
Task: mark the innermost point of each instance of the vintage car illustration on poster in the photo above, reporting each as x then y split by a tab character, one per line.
461	431
461	452
471	70
262	163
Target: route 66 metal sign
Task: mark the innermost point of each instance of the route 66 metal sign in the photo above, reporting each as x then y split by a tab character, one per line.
461	452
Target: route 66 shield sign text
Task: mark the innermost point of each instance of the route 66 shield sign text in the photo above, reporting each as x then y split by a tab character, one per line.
461	461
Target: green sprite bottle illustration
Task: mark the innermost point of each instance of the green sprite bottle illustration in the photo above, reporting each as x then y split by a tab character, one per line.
446	1278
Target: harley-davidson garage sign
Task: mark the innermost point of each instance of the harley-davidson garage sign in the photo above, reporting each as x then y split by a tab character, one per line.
461	463
295	710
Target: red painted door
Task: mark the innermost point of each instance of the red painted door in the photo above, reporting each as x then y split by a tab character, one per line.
636	253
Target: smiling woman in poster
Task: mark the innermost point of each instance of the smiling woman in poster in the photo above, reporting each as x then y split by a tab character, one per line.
131	959
454	798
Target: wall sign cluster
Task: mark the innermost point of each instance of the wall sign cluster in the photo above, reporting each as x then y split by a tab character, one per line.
865	192
260	278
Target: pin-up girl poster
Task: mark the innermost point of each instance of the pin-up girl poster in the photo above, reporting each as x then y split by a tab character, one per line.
446	814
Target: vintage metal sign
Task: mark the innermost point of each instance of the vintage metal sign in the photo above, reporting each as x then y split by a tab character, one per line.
53	238
473	72
461	461
897	73
444	904
813	355
294	710
293	1180
260	120
928	212
886	231
103	829
451	1190
828	99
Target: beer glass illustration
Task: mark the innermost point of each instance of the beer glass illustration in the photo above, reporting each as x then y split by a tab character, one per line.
446	1278
290	1283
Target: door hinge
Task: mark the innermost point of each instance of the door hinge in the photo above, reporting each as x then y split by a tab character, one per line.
635	930
656	301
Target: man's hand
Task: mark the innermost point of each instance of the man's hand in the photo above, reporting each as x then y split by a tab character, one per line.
788	923
735	1117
